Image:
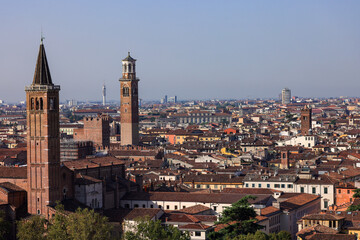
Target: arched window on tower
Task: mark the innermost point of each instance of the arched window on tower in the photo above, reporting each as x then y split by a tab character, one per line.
32	104
37	103
51	104
124	68
134	90
125	92
41	104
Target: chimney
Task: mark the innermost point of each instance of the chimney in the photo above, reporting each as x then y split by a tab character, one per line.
276	204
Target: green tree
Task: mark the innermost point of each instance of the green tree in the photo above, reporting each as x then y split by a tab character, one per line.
85	224
57	230
32	228
282	235
145	229
5	226
239	220
353	208
356	193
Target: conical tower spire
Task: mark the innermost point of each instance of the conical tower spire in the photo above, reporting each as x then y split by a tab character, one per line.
42	72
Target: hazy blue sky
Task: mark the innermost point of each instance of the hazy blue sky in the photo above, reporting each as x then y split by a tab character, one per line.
195	49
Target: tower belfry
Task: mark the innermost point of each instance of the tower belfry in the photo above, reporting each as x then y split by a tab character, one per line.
129	108
43	140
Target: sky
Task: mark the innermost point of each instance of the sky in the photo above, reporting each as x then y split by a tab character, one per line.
195	49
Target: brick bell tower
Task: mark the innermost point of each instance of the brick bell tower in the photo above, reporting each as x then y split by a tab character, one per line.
306	120
129	106
43	140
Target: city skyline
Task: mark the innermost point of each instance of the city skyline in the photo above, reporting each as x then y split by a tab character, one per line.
194	50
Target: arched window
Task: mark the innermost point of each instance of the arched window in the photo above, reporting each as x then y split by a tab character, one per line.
41	104
32	104
134	90
125	92
51	104
37	103
124	68
129	68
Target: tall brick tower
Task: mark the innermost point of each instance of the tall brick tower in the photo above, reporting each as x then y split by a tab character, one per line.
43	141
306	121
129	108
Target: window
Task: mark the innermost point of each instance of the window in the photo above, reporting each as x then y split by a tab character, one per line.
144	206
41	104
290	186
313	190
325	190
151	206
246	185
259	185
136	205
198	186
167	207
268	185
302	189
51	103
125	92
277	185
159	206
253	185
282	185
339	191
326	204
348	191
215	208
197	234
207	186
176	207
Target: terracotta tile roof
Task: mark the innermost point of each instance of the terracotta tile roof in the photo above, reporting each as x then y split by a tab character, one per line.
85	180
321	216
327	236
269	211
261	218
195	209
297	201
187	218
93	162
218	227
142	212
195	226
9	187
13	172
